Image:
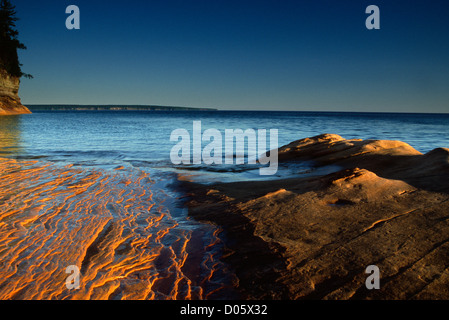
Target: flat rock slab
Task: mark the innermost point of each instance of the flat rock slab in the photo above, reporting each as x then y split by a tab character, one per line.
314	237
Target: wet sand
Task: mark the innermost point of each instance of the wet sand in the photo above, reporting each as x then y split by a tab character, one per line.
314	237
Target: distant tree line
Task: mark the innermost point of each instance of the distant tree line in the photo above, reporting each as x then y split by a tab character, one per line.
9	42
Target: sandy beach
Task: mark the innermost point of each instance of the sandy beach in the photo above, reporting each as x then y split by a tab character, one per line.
313	237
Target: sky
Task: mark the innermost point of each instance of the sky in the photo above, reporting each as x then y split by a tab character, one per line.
312	55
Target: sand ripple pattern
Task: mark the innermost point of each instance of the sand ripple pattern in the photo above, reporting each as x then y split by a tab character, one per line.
114	225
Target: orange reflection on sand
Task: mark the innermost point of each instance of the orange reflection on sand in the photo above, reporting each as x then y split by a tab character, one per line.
113	225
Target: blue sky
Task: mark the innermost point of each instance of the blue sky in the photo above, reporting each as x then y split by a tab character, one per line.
238	55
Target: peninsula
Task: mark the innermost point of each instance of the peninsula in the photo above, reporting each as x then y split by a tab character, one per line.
94	107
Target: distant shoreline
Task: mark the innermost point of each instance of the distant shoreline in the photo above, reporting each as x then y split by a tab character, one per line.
74	107
108	107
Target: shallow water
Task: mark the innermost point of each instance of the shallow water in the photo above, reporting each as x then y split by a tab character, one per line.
120	227
92	189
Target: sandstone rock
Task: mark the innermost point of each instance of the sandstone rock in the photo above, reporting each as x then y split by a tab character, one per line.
9	95
314	237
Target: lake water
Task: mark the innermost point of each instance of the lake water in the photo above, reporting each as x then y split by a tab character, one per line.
142	139
113	137
92	189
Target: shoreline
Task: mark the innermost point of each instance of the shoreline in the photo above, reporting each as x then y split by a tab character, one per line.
314	237
110	107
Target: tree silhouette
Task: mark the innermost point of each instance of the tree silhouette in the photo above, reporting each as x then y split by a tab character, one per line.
9	42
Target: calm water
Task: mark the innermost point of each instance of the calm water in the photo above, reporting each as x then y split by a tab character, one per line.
143	138
92	189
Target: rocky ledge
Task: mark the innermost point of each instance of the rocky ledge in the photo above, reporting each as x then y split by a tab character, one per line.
313	237
9	95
